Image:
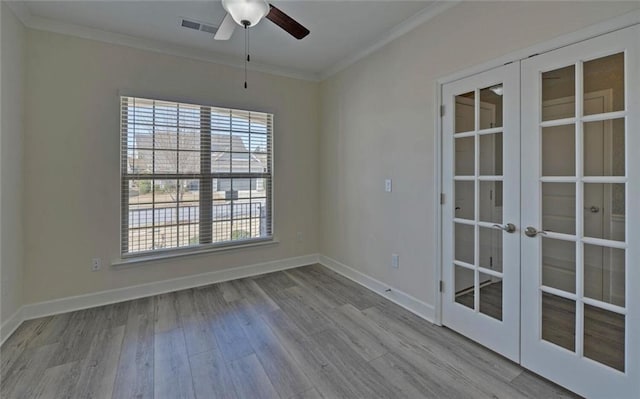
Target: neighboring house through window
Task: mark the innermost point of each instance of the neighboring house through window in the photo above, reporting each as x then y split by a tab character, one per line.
193	175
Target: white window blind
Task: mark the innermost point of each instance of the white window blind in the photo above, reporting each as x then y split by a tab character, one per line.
193	175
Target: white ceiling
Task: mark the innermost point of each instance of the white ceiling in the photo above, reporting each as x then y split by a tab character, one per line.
339	29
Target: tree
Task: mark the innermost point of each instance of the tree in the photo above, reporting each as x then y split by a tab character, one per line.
240	235
144	187
176	153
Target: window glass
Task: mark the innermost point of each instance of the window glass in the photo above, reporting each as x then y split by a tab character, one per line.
193	175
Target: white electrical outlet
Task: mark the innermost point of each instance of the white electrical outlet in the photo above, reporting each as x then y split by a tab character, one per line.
387	185
96	264
395	261
299	236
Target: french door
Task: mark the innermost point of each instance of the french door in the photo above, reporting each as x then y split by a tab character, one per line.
580	215
481	272
541	236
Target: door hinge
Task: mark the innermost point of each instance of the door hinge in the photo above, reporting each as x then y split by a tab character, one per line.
441	286
491	261
442	110
442	199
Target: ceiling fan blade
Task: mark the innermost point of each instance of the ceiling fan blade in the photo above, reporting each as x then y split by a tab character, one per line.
287	23
226	28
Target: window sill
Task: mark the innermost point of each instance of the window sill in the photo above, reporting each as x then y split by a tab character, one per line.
178	253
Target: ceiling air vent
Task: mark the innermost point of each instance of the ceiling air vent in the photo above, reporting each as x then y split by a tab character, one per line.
195	25
208	28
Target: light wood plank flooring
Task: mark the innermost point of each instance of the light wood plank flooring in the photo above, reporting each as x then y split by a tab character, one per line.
303	333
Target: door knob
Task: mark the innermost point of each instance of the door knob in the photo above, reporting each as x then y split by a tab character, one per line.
532	231
593	209
509	227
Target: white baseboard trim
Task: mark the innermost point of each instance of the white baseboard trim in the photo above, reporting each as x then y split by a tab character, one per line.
69	304
412	304
11	324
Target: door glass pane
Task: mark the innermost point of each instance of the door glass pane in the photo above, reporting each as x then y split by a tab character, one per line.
604	209
604	79
604	152
491	201
465	198
559	321
491	107
465	112
464	281
559	264
604	274
490	248
559	151
491	154
464	244
491	296
604	336
559	207
465	156
558	93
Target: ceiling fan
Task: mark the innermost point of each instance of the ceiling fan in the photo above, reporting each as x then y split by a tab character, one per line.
248	13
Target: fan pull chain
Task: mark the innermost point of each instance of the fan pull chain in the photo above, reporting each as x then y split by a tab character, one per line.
246	52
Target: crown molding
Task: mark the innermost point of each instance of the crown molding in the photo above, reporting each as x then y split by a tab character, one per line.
432	10
50	25
21	10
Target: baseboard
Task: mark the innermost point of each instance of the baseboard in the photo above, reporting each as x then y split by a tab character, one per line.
69	304
412	304
101	298
11	325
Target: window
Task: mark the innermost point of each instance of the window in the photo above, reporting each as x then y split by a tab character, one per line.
193	175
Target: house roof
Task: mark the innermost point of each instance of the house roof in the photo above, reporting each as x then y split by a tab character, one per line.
219	142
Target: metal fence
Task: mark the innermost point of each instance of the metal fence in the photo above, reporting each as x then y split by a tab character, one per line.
154	217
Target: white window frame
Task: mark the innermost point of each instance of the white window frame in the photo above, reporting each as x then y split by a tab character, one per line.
126	176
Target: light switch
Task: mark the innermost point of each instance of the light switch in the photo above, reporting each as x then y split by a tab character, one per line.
387	185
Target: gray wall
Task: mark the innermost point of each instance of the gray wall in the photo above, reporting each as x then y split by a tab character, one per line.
11	169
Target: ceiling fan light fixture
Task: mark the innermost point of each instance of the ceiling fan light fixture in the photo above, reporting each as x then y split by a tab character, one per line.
246	12
497	89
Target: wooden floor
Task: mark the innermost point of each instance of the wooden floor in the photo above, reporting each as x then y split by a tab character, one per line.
303	333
